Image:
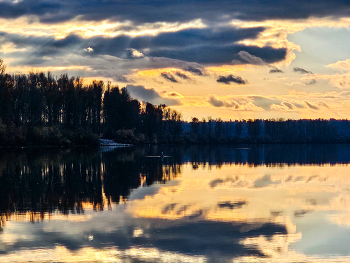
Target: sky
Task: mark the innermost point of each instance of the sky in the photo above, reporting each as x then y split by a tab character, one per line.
219	59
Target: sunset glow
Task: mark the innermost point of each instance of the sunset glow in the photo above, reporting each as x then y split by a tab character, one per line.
185	48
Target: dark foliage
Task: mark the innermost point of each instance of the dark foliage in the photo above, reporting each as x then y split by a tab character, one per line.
40	109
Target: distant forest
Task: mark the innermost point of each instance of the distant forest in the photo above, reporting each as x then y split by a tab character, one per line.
41	109
270	131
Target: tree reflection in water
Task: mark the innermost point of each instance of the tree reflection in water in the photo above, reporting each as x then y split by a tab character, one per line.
41	181
37	182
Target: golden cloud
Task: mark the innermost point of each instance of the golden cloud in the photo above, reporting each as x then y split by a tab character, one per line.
343	64
30	25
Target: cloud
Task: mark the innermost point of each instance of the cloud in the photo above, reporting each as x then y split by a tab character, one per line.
232	205
288	105
151	96
215	102
236	103
134	53
124	79
169	77
207	50
311	82
275	70
243	57
170	11
264	102
196	71
256	103
311	106
89	49
231	78
343	65
301	70
202	46
322	104
174	94
182	75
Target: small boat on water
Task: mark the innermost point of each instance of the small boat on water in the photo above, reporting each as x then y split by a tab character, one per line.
162	156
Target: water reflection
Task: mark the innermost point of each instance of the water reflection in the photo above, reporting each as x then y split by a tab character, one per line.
43	181
213	204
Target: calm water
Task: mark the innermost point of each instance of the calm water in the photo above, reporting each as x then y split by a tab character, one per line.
202	204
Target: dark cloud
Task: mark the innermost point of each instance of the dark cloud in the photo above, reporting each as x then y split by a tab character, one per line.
173	11
218	54
231	78
232	205
275	70
211	46
311	106
219	103
123	79
198	37
169	77
150	95
301	70
311	82
322	104
181	75
301	213
288	105
174	94
196	71
215	102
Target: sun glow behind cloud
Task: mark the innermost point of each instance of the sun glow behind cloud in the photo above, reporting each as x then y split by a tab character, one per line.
31	25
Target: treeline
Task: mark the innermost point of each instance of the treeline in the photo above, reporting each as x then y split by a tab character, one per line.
267	131
42	109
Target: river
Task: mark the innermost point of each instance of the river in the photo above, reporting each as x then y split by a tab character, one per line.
272	203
